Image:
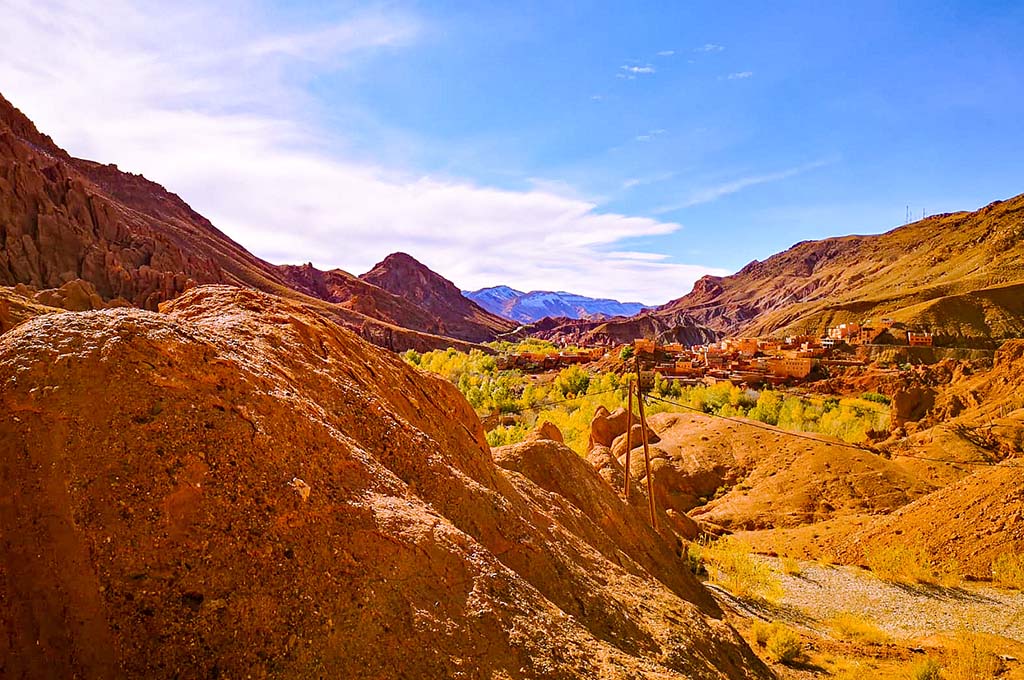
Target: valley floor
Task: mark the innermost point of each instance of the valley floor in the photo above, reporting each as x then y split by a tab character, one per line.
902	625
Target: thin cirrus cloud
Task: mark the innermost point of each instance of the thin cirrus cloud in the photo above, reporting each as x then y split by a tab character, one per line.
709	47
717	191
217	115
638	70
650	135
740	75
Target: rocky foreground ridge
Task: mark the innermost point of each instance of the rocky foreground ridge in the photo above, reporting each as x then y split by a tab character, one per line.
235	486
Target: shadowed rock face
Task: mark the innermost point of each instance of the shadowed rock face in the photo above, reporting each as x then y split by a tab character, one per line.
237	486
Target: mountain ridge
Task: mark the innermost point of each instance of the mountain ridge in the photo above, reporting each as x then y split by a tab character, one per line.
532	306
959	275
403	275
64	219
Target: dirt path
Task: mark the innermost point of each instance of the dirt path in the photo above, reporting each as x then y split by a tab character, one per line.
820	593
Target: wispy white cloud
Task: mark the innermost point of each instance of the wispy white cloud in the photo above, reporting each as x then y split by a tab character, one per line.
666	53
709	47
220	116
633	182
740	75
717	191
325	44
635	255
638	70
650	135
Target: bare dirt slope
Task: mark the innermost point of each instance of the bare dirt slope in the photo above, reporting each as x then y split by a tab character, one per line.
237	487
972	521
738	476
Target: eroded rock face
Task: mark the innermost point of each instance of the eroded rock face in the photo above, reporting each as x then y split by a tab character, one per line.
65	220
605	426
911	405
747	477
547	431
237	486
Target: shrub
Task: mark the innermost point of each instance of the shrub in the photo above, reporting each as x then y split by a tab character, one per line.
854	627
626	353
762	630
731	565
783	645
1008	570
901	564
875	397
928	669
791	566
695	558
572	380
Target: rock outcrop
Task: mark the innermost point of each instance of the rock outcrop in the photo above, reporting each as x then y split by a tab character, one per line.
403	275
270	496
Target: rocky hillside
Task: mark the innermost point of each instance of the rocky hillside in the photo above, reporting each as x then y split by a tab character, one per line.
668	328
271	496
404	276
538	304
64	219
960	275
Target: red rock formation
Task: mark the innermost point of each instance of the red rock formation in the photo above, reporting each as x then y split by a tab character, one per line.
64	219
403	275
268	495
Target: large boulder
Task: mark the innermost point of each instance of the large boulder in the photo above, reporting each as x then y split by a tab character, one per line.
546	431
605	426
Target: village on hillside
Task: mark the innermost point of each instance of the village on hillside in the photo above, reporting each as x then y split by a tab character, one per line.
742	361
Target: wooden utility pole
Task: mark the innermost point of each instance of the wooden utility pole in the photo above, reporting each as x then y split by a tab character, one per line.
647	454
629	444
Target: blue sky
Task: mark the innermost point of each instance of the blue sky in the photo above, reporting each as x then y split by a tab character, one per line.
618	149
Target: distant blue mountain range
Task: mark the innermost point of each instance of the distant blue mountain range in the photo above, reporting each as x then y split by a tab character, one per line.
535	305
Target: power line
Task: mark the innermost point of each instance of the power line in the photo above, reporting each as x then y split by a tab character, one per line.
761	426
542	405
798	435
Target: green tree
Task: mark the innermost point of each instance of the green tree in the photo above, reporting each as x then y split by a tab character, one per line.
572	380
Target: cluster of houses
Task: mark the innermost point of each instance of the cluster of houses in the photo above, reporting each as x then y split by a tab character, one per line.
750	361
773	361
738	360
867	333
549	361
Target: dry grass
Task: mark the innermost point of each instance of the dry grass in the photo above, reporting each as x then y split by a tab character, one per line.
1008	571
901	564
856	628
781	643
784	645
791	566
761	631
972	657
926	669
731	564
